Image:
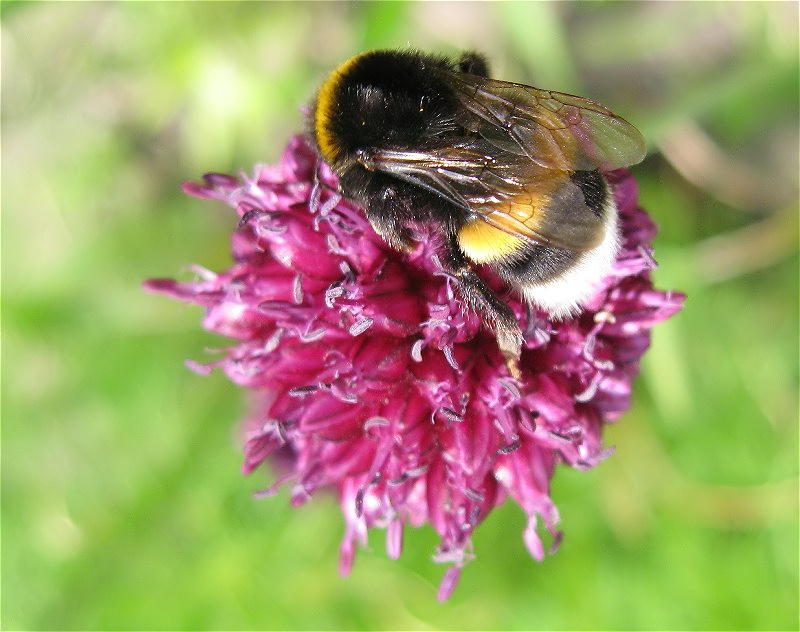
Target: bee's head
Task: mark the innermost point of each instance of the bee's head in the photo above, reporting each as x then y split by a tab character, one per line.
384	99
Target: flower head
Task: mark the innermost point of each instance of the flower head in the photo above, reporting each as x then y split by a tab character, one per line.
372	379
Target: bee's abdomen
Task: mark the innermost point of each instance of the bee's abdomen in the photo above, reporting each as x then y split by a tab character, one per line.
594	189
534	263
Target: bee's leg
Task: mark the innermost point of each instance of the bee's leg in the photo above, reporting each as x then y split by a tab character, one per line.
386	218
391	231
485	303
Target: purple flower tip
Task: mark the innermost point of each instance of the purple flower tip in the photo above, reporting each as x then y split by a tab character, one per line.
371	378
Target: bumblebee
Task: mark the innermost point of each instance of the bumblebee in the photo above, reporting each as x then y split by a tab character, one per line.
512	175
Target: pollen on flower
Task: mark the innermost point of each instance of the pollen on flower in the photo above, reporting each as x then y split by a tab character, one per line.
370	378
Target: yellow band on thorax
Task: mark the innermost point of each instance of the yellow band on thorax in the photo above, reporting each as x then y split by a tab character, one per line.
326	105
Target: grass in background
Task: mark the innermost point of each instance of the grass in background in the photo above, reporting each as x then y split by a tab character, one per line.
122	503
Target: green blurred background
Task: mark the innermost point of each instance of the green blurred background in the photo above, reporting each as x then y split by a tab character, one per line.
122	502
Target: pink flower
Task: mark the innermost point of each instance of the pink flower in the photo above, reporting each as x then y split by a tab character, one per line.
371	378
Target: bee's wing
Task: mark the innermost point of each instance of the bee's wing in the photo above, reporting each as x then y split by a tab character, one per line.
506	190
554	130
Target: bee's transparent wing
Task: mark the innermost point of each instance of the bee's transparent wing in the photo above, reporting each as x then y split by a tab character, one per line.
554	130
506	190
